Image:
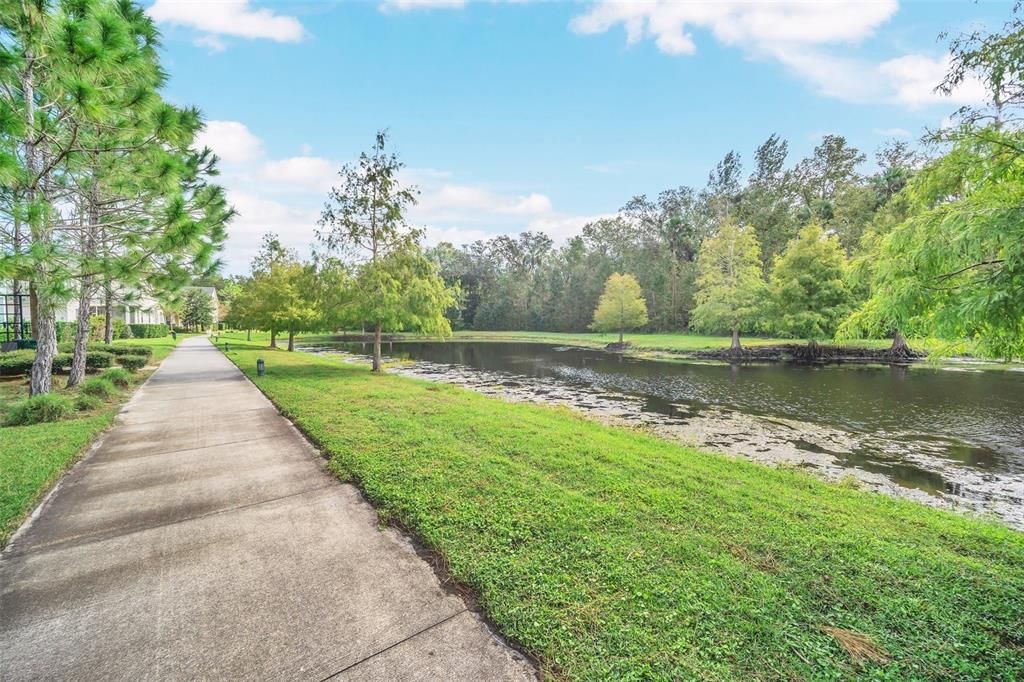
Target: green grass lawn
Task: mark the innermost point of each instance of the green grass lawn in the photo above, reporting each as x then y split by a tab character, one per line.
610	554
33	457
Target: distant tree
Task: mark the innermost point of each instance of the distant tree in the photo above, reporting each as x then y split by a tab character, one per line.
730	282
196	309
364	220
809	290
621	306
820	178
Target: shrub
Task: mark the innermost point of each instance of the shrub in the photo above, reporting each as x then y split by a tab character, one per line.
144	351
126	332
97	359
84	402
132	363
61	361
118	376
149	331
99	388
39	408
16	362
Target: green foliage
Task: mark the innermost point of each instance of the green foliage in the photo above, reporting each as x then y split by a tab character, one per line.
37	409
96	143
98	388
809	292
99	359
621	306
610	554
120	376
132	363
61	361
731	287
149	331
955	267
394	287
16	362
197	309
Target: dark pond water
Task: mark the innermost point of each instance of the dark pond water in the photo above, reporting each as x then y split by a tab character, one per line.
933	429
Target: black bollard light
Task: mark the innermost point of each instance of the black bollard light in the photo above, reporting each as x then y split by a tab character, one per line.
227	348
261	367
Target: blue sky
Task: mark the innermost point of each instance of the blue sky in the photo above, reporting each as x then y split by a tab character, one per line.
539	115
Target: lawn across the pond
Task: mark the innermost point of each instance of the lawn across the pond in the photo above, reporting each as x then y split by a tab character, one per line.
610	554
33	458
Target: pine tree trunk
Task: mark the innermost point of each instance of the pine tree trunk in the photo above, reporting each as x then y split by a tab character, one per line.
376	347
291	340
108	313
81	335
735	347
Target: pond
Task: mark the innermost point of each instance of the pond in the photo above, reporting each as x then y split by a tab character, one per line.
946	435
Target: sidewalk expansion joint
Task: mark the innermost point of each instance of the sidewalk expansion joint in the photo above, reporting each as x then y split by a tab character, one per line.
392	646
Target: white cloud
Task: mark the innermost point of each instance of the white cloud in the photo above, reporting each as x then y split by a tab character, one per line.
737	22
909	80
258	215
892	132
793	33
228	18
408	5
212	43
913	78
450	200
232	141
311	173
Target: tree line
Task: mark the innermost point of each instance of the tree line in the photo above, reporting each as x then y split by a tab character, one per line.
930	242
103	189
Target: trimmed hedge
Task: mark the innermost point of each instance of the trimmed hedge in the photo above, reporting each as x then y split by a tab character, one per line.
16	363
39	408
99	356
149	331
132	363
111	348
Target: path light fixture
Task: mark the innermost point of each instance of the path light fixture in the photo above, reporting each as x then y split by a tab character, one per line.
227	348
261	367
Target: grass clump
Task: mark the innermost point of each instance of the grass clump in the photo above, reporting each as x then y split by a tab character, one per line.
38	409
87	403
132	363
98	387
119	376
610	554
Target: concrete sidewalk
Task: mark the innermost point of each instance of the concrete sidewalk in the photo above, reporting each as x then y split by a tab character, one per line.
202	539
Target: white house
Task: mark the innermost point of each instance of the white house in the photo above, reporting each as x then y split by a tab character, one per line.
134	308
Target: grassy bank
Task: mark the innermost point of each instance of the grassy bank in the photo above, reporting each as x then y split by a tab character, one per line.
610	554
33	457
675	342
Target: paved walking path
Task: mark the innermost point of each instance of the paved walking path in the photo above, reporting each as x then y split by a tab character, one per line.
202	539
